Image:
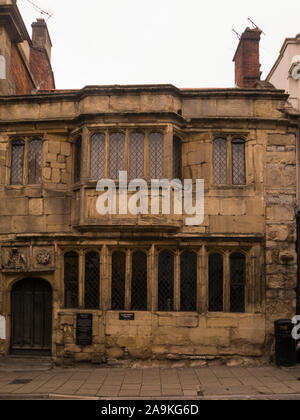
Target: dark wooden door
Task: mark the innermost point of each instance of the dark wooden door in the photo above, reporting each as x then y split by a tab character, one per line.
31	316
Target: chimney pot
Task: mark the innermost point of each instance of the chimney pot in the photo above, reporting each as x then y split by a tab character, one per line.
40	37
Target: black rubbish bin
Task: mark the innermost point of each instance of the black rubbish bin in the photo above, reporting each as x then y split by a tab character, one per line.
285	346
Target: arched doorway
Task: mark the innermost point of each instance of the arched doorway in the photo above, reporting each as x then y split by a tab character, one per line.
31	306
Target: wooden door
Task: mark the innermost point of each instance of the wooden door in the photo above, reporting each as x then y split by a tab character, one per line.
31	316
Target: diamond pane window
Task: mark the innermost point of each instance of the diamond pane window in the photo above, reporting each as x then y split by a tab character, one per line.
77	166
118	281
156	154
238	162
92	280
215	299
97	157
188	282
136	170
237	283
166	281
17	162
177	159
116	154
71	280
220	161
35	162
139	282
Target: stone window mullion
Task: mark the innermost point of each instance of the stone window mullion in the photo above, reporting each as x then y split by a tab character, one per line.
128	281
81	279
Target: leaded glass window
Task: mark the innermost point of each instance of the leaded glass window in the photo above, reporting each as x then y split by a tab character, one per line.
17	162
116	154
77	166
136	166
237	283
166	281
156	154
220	161
238	162
71	280
215	298
188	283
97	158
118	281
35	162
139	282
92	280
177	158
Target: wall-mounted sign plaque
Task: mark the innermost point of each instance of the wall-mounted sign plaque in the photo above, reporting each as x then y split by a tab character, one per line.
84	329
129	316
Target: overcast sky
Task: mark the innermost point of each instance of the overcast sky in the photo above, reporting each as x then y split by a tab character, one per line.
188	43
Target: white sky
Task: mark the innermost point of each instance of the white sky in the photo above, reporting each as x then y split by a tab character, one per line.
187	43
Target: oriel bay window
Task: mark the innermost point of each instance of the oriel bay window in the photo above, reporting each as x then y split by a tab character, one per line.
26	161
138	152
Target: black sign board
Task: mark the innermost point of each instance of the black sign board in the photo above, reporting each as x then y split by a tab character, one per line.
84	329
126	316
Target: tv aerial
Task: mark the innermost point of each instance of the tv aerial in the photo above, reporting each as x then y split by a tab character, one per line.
43	12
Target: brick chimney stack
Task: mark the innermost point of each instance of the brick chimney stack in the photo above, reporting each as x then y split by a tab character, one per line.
40	37
247	65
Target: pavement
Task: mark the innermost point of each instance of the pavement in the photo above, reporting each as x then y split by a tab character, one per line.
38	379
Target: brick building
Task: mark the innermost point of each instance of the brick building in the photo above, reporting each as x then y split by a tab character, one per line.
148	286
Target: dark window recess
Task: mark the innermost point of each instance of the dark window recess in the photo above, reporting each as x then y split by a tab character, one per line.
156	154
177	159
118	281
220	161
139	282
77	166
35	162
215	300
188	284
92	280
71	280
116	154
137	141
17	162
97	159
237	283
238	162
166	281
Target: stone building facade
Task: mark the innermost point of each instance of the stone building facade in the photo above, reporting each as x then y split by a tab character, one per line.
146	286
285	75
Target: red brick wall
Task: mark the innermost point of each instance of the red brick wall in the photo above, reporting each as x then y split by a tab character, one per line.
19	74
41	69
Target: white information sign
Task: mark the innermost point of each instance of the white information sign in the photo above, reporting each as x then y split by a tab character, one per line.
2	328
